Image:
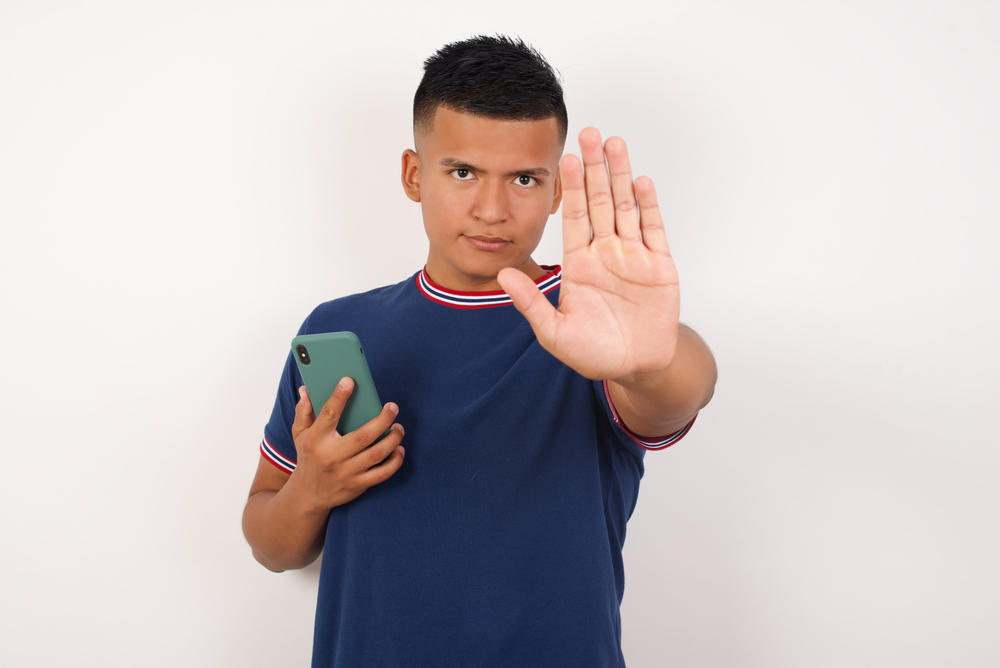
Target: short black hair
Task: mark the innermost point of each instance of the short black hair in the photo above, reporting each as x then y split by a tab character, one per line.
496	77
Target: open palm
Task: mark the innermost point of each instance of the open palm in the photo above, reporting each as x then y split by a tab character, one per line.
619	301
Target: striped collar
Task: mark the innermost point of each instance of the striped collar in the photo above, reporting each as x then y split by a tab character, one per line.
468	300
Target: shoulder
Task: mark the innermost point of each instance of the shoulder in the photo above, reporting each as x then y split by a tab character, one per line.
331	315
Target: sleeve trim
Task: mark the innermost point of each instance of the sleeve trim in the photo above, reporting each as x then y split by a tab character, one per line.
657	443
269	453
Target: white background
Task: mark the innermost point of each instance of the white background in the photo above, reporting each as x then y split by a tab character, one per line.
181	183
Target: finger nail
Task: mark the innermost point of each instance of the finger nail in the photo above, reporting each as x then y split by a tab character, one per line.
394	408
345	383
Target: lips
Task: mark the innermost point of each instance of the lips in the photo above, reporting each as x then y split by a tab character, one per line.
488	243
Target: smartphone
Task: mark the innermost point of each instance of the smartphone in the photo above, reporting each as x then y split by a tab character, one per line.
323	359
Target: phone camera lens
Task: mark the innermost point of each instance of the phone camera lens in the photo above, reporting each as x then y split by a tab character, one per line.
303	354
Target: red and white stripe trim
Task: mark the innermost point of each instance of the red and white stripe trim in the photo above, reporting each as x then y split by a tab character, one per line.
659	443
269	453
472	300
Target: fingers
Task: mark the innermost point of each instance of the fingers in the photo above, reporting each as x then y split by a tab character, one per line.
530	301
385	469
370	432
303	413
377	454
604	200
335	469
576	221
626	213
654	236
329	416
350	444
600	203
375	464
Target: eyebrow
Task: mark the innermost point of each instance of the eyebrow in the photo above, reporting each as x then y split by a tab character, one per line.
455	163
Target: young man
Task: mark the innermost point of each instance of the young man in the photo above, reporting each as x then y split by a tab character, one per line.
495	538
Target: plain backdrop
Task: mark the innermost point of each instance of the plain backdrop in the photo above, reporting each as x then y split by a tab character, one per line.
181	183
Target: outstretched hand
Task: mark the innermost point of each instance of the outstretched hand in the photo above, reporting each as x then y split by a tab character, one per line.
619	301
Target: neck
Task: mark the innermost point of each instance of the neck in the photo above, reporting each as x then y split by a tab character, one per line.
453	278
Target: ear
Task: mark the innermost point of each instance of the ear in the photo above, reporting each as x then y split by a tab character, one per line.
411	174
557	195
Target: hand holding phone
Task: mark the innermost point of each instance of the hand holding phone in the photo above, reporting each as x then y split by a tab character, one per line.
333	469
336	462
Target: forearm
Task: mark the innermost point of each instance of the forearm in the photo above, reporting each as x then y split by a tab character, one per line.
283	531
665	401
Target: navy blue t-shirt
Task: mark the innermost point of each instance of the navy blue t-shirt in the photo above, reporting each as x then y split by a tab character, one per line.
498	542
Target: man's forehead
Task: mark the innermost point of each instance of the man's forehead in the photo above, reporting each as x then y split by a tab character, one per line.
464	136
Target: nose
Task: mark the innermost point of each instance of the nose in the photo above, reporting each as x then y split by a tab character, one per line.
491	204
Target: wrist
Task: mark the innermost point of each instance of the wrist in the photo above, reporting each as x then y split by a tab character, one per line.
672	395
301	497
641	383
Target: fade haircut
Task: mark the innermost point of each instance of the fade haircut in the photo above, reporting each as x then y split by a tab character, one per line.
494	77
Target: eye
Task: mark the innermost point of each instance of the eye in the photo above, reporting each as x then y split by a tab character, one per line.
461	174
525	180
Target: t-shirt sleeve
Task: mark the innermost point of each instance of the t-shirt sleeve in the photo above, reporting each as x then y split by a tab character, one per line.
629	439
277	445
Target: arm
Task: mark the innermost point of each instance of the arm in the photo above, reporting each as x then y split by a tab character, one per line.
664	402
283	531
285	517
619	304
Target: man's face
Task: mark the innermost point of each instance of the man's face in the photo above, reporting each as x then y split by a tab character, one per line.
486	188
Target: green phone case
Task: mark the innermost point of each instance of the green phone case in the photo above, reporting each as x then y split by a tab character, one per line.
330	357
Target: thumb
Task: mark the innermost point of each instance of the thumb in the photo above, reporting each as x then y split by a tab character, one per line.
303	413
532	304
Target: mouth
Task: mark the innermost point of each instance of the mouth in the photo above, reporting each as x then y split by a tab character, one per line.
488	243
